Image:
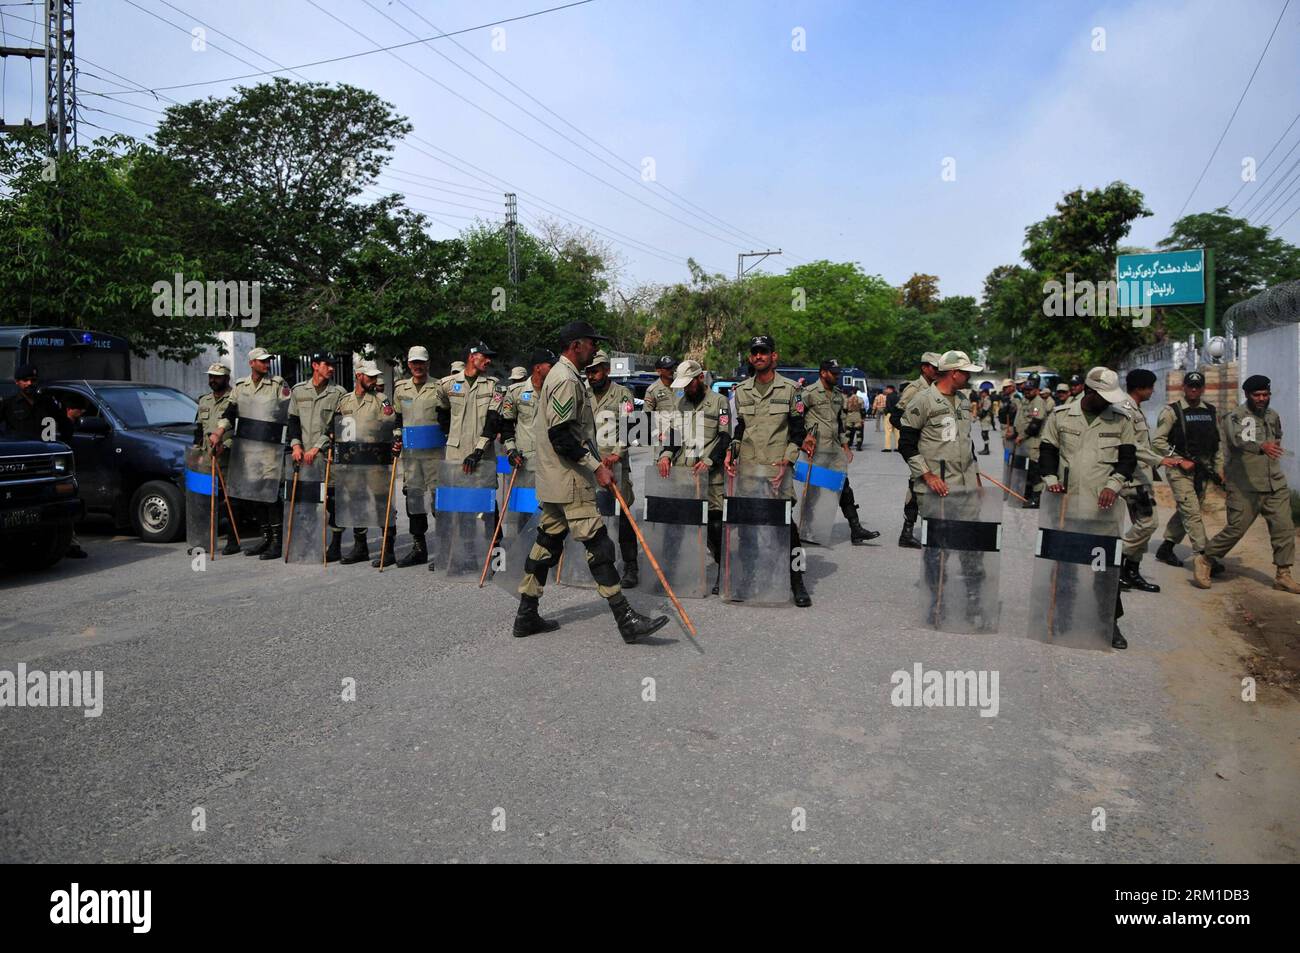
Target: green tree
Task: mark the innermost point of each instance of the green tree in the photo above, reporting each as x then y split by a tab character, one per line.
921	292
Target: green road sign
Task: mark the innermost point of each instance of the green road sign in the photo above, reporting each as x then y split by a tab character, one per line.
1161	280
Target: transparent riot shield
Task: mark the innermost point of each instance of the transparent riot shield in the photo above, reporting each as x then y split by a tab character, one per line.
305	518
1076	574
522	502
756	521
819	486
465	504
1016	471
363	458
256	464
961	536
572	570
675	523
506	569
423	450
202	500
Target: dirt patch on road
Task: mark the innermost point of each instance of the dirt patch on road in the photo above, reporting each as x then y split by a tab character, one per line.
1269	622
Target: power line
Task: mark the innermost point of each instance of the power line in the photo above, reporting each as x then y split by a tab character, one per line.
167	3
1283	183
1275	207
1224	134
213	46
140	86
398	46
1259	194
1267	157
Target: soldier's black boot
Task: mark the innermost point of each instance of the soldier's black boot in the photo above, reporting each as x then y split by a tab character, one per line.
276	548
528	621
360	550
1166	553
801	597
632	625
858	534
985	451
631	573
264	544
1117	640
1131	578
419	553
389	550
231	546
906	539
335	551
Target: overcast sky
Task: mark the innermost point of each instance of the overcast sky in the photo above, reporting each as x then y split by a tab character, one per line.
833	151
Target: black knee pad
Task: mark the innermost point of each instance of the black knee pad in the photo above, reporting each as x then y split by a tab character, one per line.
600	558
626	538
419	523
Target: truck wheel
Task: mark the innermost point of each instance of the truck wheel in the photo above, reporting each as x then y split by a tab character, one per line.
158	512
37	551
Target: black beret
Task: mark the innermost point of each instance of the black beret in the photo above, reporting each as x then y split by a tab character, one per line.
1139	377
1256	382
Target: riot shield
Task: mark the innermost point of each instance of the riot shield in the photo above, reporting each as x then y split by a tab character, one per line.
202	500
465	504
256	463
506	570
675	522
305	517
523	496
1076	575
820	484
962	538
363	457
423	449
756	521
1016	469
572	569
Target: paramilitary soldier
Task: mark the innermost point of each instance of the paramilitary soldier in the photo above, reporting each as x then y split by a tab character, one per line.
212	406
258	394
31	413
514	421
1138	495
568	471
417	402
984	413
854	411
612	407
312	404
1256	485
700	442
372	412
1188	428
928	373
769	430
936	442
1090	444
1030	418
824	423
660	398
463	401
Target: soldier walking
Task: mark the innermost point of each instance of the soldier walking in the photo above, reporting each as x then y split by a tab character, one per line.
853	411
928	373
1188	429
1257	486
612	407
568	471
1138	494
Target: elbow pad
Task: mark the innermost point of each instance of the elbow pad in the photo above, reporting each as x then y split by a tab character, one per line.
909	442
1049	459
1128	461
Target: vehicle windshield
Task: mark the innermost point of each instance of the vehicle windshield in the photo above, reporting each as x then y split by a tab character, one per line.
149	406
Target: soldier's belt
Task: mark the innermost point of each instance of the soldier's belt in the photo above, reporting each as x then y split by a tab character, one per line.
961	535
1065	547
200	483
358	453
261	431
752	511
423	437
822	477
465	499
675	510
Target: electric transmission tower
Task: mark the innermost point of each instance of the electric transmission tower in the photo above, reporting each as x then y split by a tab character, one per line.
60	123
512	227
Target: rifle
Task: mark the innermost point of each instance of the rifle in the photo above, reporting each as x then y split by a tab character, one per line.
1199	469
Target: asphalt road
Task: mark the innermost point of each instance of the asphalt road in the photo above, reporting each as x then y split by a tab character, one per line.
223	692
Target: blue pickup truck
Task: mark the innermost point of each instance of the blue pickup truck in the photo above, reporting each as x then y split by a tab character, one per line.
38	502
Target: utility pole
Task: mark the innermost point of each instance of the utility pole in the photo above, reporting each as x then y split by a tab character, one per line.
60	123
741	270
512	245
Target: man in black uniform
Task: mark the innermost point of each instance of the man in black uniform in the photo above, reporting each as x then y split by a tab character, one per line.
32	414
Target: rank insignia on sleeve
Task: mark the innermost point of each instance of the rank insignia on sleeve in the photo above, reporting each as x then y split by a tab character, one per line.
722	420
388	409
285	391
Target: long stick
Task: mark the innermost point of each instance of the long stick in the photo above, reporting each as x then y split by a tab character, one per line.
389	517
686	620
514	472
807	485
293	501
212	512
325	527
1003	487
938	604
226	496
